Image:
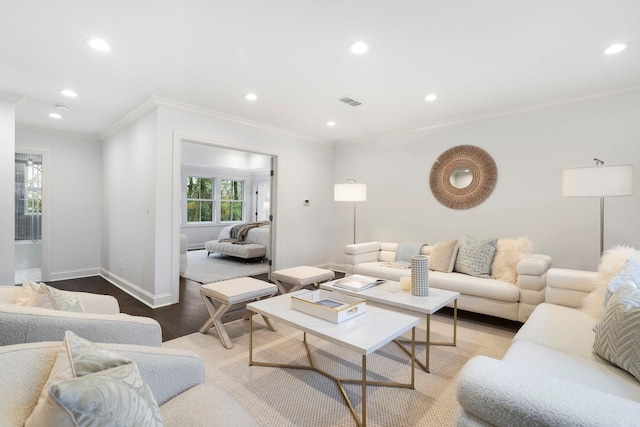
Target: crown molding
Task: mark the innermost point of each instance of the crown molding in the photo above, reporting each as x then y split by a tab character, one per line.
132	116
491	115
153	102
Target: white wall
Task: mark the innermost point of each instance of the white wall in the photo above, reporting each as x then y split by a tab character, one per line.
530	150
7	208
72	205
129	209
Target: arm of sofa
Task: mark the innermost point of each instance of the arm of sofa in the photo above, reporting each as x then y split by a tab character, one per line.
99	304
507	395
569	287
167	371
360	252
532	272
32	324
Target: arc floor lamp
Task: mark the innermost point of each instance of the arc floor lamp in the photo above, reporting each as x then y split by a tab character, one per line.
350	192
598	181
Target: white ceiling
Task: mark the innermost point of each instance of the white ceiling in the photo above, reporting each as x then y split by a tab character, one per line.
480	57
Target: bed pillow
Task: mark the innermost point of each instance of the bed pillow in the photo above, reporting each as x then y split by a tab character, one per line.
443	256
618	332
475	257
90	385
509	252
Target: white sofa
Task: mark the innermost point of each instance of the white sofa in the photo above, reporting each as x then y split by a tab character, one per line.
101	322
550	375
175	377
486	296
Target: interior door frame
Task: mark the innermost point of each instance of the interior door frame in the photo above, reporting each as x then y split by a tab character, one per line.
178	138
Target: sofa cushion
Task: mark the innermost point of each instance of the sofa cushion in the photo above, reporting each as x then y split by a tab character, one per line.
560	328
593	372
618	332
475	257
509	252
443	256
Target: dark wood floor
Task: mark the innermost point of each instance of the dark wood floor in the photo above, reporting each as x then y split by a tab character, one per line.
187	316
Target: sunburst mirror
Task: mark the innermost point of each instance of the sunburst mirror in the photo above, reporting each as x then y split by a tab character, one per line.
463	177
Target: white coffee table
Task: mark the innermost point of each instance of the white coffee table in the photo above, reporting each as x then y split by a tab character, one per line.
375	328
405	301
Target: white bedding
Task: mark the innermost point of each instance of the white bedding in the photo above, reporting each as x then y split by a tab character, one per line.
258	235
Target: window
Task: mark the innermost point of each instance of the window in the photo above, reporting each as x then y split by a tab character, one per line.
199	199
231	200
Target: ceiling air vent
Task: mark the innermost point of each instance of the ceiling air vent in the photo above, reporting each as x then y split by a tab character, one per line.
350	101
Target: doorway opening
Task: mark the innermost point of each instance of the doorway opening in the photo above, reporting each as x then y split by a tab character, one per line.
28	217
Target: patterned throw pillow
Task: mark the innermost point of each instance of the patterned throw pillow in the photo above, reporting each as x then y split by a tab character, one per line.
43	296
618	332
474	258
629	272
90	385
443	256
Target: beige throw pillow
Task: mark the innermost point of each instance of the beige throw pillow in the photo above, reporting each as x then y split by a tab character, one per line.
443	256
509	252
43	296
618	332
90	385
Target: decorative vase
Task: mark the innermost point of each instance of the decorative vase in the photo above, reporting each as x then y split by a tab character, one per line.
420	275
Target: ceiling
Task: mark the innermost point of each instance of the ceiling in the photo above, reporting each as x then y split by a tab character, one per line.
480	57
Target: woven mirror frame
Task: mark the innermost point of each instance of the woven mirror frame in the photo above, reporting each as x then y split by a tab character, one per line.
481	166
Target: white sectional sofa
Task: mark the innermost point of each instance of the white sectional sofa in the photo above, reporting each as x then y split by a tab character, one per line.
550	376
513	301
255	243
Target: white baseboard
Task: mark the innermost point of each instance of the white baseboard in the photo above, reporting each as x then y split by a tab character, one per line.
153	301
73	274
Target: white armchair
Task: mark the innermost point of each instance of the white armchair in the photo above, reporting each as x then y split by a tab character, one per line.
175	377
101	322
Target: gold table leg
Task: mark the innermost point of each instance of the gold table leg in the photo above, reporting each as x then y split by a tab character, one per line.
429	343
361	421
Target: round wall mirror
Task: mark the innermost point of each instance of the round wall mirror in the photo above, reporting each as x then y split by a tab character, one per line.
463	177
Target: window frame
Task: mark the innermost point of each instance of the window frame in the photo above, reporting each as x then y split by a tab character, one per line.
243	200
200	199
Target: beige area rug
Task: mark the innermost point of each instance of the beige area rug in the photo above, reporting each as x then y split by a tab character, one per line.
290	397
215	267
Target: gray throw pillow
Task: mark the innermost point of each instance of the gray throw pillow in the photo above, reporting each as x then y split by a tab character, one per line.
475	258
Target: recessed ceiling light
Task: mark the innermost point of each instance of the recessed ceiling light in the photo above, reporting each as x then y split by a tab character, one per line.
250	96
358	48
431	97
615	48
98	44
69	93
331	123
55	116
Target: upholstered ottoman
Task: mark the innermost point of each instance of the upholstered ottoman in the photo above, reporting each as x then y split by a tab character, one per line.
299	277
227	293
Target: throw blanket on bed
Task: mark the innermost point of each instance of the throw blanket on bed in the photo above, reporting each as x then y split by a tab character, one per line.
239	232
405	251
